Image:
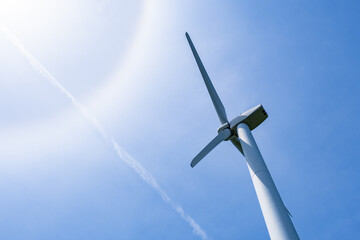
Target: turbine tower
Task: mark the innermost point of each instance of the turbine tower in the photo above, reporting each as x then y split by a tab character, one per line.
238	131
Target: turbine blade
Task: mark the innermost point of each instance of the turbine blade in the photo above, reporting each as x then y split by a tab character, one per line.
237	144
219	107
218	139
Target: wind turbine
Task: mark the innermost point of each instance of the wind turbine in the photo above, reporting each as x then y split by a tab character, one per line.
238	131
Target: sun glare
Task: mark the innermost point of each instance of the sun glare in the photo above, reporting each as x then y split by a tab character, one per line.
40	22
47	26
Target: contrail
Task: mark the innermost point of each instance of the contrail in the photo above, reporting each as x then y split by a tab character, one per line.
123	155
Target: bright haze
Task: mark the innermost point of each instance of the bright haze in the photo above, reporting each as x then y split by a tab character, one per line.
129	64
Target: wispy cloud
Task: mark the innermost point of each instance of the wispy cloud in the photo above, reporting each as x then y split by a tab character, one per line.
126	157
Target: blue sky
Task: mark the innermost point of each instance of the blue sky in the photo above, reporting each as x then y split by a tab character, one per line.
129	64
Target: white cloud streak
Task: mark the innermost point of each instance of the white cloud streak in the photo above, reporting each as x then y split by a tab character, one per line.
123	155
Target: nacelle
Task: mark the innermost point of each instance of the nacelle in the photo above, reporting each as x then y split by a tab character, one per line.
253	118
